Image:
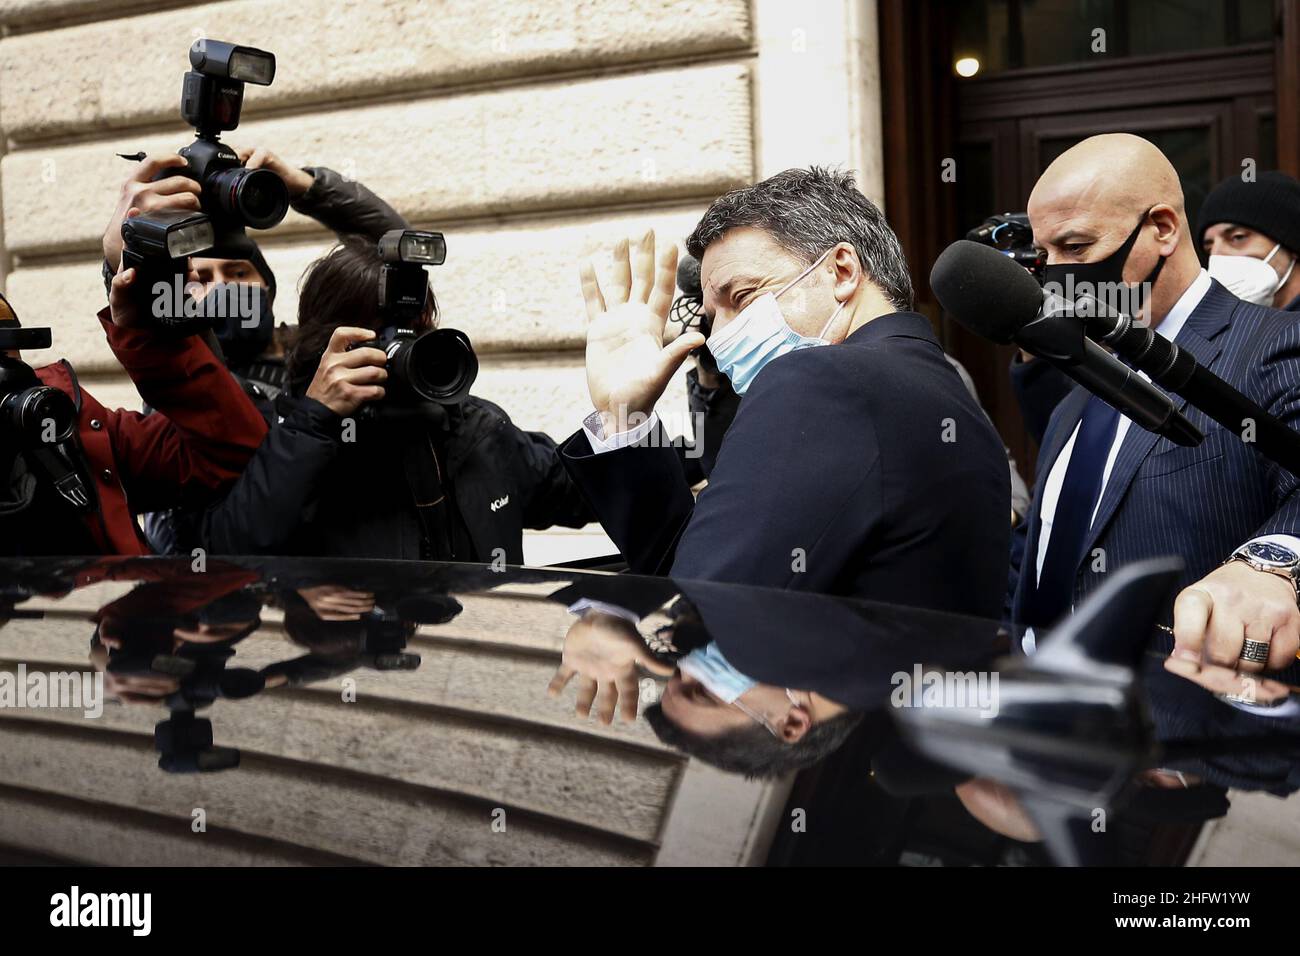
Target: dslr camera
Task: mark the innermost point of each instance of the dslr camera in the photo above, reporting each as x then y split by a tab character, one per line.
37	420
1011	234
437	366
233	197
32	415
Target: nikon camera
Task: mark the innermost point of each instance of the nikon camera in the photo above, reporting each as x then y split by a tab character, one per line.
438	365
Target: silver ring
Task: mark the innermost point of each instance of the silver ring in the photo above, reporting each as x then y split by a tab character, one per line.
1256	652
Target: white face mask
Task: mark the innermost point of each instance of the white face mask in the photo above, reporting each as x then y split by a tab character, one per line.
760	333
1248	278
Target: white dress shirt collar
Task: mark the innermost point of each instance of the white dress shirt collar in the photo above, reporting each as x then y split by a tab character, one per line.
1186	304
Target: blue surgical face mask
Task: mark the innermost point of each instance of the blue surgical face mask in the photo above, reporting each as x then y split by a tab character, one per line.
759	334
707	665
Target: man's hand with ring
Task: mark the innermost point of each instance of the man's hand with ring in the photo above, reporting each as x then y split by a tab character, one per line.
1239	618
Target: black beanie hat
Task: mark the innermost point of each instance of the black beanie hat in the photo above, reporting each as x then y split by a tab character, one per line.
264	270
1269	205
243	246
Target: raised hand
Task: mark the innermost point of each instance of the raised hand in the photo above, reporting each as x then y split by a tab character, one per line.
141	193
628	364
298	181
347	378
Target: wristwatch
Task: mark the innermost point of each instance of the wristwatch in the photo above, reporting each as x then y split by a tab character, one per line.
1271	557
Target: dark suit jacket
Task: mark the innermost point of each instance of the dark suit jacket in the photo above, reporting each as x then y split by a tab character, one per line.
1199	503
837	454
1039	387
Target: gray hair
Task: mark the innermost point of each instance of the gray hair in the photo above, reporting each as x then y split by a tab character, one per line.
752	750
808	211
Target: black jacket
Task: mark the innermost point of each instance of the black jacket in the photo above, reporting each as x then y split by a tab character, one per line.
837	476
308	491
346	206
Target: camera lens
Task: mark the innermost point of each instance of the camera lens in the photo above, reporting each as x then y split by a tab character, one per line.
256	197
37	416
438	366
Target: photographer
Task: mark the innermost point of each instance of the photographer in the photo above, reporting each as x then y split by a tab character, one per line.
254	348
78	491
340	476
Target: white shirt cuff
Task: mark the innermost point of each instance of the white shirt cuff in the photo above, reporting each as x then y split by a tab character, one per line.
601	444
583	605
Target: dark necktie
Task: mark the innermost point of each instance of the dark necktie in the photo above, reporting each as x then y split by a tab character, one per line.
1079	492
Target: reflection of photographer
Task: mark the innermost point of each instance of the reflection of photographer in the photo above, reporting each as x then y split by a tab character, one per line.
158	652
380	451
73	474
373	632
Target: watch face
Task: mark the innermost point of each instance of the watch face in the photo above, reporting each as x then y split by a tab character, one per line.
1269	553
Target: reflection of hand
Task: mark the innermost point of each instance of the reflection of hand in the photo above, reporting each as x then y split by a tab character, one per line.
1249	688
997	807
210	633
603	652
132	688
330	602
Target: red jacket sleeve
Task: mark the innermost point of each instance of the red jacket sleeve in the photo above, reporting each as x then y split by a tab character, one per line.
202	432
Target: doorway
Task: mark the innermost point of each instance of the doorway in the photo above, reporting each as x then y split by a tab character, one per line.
1014	83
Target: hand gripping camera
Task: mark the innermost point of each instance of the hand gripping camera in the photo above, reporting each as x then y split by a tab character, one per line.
437	366
158	247
233	197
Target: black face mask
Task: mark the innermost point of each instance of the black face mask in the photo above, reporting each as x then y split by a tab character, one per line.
242	320
1069	277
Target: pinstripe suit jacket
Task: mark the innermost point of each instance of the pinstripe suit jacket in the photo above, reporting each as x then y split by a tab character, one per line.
1199	503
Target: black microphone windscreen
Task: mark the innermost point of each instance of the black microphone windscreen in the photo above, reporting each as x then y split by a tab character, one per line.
984	290
688	277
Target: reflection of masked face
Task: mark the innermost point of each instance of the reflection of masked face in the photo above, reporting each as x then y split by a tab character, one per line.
1106	274
710	668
